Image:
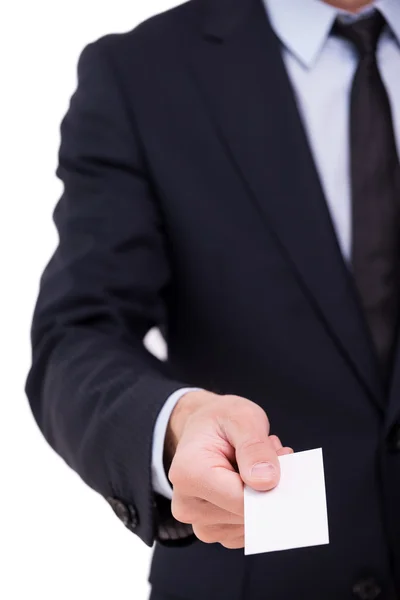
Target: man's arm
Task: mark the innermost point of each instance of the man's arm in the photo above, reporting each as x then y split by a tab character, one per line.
94	389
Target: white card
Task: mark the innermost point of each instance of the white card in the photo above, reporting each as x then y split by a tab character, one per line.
294	514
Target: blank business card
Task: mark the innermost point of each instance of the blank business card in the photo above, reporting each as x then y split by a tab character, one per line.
294	514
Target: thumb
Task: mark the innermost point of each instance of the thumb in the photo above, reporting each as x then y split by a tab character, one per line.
256	455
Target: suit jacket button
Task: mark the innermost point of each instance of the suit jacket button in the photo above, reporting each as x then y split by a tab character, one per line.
367	589
125	512
393	439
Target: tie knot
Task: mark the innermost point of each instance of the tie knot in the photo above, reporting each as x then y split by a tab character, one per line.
364	33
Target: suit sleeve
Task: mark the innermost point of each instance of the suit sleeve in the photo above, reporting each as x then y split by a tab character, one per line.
94	389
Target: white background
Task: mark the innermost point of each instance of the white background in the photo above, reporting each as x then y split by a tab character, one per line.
58	539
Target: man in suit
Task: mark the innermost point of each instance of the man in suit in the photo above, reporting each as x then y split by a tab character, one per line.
231	176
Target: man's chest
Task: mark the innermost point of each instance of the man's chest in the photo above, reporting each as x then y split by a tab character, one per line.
323	95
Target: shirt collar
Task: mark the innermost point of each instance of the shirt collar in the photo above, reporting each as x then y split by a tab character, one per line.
391	11
303	26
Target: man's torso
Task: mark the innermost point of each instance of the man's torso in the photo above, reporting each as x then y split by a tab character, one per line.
261	302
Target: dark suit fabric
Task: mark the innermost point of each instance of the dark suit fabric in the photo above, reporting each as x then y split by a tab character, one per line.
155	595
192	203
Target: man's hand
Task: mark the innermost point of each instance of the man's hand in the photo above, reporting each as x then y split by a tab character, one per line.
218	443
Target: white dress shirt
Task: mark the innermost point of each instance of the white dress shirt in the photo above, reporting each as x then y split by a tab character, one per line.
321	68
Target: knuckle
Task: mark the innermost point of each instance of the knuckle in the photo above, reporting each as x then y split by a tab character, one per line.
246	410
175	473
205	534
274	438
179	474
185	473
233	544
256	411
254	446
237	408
181	512
233	401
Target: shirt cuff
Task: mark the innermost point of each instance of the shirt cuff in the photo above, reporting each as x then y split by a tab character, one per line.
161	485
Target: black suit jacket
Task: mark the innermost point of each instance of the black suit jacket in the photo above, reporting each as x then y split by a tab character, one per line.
192	203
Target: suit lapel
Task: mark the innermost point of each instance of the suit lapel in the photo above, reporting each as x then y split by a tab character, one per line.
242	78
393	411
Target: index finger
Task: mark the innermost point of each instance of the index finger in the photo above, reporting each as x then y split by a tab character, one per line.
220	486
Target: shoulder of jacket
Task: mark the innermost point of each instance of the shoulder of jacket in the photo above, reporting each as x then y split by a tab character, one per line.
153	34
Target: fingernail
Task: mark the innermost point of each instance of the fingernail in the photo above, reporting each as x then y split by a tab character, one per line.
263	470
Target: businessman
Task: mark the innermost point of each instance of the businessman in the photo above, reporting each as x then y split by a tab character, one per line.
231	174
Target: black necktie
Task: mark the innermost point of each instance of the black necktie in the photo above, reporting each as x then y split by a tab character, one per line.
375	184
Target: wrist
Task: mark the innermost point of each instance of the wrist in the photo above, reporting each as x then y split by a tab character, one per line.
189	404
